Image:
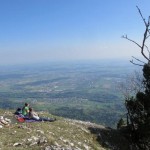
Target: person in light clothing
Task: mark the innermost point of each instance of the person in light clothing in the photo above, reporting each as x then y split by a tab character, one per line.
35	116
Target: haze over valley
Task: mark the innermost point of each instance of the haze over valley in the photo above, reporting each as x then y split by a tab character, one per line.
85	90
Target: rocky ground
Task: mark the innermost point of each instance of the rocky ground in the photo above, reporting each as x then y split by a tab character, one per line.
63	134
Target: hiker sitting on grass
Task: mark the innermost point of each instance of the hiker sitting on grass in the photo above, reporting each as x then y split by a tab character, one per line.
35	116
25	110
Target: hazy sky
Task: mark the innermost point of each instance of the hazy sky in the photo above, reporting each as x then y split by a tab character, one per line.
47	30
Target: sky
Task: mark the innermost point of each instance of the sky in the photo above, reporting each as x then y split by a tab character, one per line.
64	30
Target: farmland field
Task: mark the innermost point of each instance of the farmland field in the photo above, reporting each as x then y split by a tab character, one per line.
83	90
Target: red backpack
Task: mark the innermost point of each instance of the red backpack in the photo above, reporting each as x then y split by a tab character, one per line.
20	119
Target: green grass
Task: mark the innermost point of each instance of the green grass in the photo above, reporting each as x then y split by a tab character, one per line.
62	133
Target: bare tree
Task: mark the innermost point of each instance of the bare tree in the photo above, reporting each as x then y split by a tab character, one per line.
143	47
132	84
138	98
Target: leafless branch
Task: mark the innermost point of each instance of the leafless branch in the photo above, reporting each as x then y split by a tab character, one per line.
146	23
135	63
132	84
143	43
126	37
148	50
145	37
141	15
138	59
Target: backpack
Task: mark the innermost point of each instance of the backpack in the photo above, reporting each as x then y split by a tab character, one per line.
18	111
19	119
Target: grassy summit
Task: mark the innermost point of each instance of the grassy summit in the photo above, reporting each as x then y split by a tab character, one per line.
63	134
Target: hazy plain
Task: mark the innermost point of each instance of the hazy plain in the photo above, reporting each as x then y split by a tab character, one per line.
85	90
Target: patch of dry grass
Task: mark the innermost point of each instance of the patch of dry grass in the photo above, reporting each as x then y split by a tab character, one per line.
63	133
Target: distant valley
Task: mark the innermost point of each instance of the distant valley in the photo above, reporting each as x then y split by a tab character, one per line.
84	90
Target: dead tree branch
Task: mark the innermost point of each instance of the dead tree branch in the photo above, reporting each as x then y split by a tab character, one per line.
126	37
145	37
135	63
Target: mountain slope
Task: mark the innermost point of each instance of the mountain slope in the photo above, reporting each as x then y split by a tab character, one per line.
63	134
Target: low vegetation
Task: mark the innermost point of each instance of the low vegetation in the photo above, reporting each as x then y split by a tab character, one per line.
61	134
